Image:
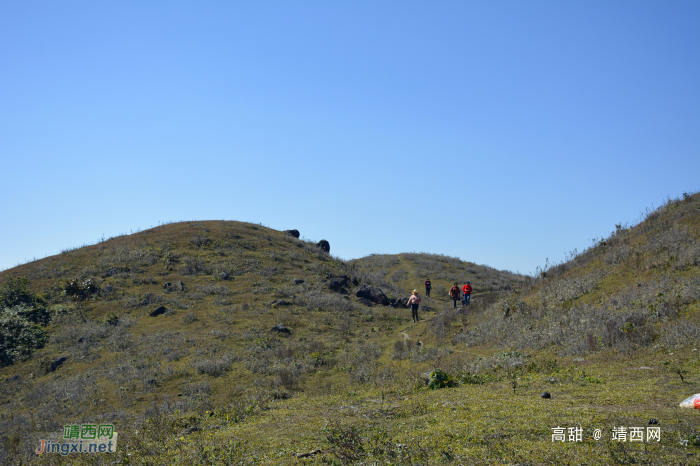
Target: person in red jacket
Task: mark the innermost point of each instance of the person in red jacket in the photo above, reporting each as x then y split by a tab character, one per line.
467	290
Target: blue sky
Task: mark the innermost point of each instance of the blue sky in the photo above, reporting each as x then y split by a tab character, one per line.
501	132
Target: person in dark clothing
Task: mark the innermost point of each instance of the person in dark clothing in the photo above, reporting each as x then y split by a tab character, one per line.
454	293
413	302
428	286
467	290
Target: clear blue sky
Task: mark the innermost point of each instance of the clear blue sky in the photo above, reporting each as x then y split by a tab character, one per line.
501	132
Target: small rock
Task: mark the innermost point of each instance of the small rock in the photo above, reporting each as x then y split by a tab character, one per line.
294	233
365	301
355	281
108	288
81	339
223	276
546	395
158	311
579	360
167	286
55	364
148	299
189	430
653	421
516	364
151	381
324	246
309	454
180	286
298	281
281	328
331	275
13	378
280	302
114	271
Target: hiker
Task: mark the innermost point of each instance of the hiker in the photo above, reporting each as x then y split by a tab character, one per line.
413	302
428	286
467	290
454	292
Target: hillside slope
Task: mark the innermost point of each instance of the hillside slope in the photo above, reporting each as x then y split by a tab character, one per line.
637	288
107	356
611	335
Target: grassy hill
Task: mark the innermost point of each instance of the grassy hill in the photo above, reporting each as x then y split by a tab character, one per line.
611	333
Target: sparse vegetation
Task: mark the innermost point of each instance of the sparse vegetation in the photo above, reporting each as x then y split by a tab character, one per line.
611	333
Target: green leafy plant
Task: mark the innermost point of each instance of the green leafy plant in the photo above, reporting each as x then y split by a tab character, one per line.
78	290
18	337
440	379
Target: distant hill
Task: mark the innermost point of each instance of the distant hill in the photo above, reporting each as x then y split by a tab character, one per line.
410	270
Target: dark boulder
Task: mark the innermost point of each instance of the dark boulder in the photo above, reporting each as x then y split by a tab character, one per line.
180	286
108	288
280	302
332	275
336	284
55	364
13	378
365	301
546	395
298	281
294	233
401	302
167	286
280	328
324	246
223	276
355	281
651	421
158	311
372	293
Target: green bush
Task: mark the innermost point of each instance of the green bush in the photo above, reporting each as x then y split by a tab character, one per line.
18	337
111	319
79	291
15	295
440	379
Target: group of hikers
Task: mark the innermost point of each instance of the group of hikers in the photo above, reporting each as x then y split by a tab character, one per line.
455	292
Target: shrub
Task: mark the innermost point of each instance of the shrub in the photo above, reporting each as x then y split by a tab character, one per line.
440	379
78	290
15	294
111	319
18	337
214	367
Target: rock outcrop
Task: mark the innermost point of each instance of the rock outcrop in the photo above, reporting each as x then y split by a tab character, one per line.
373	294
324	246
